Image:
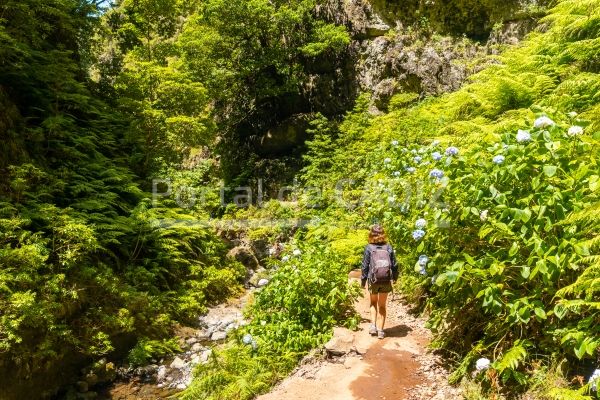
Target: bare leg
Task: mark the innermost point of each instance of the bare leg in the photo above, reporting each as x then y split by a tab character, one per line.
373	301
381	305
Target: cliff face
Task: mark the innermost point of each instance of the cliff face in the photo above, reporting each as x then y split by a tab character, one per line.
389	53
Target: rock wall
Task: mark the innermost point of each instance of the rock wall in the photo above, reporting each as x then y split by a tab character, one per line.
389	53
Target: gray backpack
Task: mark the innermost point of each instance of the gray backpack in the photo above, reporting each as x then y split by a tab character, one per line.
380	266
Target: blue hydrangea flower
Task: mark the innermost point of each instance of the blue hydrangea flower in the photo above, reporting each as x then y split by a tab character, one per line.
410	170
423	271
418	234
247	339
523	136
436	173
436	156
452	151
499	159
417	159
543	122
420	223
423	260
394	143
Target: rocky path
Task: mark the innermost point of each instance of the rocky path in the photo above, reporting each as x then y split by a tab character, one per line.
358	366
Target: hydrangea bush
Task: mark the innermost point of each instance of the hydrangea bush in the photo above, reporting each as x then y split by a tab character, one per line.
503	240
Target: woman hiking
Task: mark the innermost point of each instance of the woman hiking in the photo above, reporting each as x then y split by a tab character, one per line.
379	270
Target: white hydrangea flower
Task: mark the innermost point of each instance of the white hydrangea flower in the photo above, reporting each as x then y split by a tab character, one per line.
572	114
396	173
575	130
483	215
594	380
435	143
421	223
297	252
285	258
387	160
543	122
394	143
482	364
523	136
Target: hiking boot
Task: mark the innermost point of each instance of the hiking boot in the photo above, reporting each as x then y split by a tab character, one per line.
372	330
380	334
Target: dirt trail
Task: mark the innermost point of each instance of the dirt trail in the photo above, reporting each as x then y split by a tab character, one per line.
398	367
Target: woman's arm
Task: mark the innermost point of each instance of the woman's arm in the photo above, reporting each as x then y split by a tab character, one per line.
394	264
365	266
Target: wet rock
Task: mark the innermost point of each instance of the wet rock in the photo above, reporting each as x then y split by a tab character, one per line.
91	379
220	335
245	256
177	363
197	347
205	355
262	282
161	373
82	386
191	341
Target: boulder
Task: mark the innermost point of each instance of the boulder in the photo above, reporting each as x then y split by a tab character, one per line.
205	355
220	335
262	282
197	347
177	363
341	343
245	256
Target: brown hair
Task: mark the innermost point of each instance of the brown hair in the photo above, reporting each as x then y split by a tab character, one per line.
377	235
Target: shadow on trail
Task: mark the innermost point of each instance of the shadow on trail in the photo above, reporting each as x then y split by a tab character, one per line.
397	331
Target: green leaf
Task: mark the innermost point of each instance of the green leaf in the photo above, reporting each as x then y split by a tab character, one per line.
513	249
550	170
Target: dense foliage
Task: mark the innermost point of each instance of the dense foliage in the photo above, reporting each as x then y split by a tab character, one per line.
498	235
188	73
497	223
83	269
307	296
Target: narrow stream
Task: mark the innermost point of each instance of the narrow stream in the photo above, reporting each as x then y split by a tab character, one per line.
172	375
